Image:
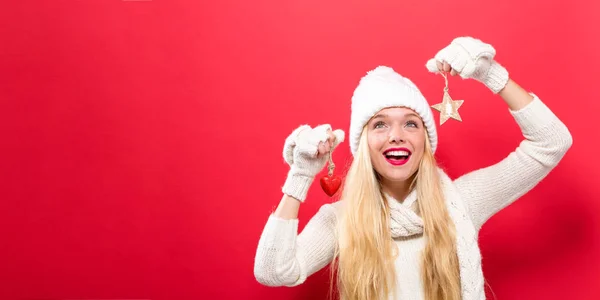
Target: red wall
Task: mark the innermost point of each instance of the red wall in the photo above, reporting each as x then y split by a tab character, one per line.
141	140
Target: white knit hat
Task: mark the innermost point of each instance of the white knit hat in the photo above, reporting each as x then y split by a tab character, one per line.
382	88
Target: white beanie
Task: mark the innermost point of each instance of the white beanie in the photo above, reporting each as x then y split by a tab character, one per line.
382	88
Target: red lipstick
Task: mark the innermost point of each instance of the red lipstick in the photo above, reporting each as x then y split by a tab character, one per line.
397	156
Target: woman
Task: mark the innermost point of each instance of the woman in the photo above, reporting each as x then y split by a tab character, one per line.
403	229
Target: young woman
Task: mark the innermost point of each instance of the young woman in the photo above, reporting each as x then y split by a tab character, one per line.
403	229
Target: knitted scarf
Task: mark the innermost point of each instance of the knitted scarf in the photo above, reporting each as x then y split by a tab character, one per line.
405	222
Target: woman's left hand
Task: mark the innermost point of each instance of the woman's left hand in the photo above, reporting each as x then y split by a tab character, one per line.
470	58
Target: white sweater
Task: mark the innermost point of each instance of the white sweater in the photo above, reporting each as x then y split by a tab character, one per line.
284	258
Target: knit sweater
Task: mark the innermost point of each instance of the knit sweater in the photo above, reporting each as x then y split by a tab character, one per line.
286	258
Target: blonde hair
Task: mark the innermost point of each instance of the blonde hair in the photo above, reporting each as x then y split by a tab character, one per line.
364	261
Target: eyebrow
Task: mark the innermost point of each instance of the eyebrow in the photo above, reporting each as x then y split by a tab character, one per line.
378	116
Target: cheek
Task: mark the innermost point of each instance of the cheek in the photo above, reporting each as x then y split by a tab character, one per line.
376	140
372	145
419	147
417	140
376	143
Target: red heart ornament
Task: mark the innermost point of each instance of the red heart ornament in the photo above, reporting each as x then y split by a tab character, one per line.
330	184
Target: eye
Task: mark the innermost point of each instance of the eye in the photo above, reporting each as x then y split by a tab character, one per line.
412	124
379	124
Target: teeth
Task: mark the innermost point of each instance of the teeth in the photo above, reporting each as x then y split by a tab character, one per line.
397	153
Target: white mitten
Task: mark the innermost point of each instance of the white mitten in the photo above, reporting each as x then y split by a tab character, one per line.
472	58
300	152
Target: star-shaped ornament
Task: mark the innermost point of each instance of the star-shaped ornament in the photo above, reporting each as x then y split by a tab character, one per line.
448	108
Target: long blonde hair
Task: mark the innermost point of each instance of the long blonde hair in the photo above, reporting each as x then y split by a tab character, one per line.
365	256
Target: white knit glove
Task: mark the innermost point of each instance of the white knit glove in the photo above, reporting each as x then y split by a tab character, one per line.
301	153
472	58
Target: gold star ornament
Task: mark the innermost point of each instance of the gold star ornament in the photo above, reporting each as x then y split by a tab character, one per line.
448	108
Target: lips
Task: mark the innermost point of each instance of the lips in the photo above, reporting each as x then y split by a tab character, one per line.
397	156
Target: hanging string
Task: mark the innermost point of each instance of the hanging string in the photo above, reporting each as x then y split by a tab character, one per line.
445	79
331	164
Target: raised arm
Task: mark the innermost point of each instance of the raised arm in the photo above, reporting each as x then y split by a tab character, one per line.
546	139
284	258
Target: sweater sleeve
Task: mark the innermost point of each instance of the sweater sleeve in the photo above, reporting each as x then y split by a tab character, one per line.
488	190
284	258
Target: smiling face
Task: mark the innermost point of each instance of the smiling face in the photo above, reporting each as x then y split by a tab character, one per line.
396	138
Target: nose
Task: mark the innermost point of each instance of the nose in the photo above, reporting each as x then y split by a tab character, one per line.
396	135
395	138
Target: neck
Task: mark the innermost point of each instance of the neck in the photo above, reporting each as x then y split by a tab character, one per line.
397	189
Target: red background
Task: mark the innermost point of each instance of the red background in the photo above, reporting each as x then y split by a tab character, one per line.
141	140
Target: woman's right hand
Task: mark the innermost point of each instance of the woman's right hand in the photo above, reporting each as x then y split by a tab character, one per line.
305	151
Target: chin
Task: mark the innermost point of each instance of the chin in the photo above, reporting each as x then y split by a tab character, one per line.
396	173
397	176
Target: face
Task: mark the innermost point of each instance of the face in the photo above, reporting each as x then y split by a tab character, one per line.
396	139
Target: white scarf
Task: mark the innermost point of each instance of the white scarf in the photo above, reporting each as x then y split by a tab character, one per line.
405	222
